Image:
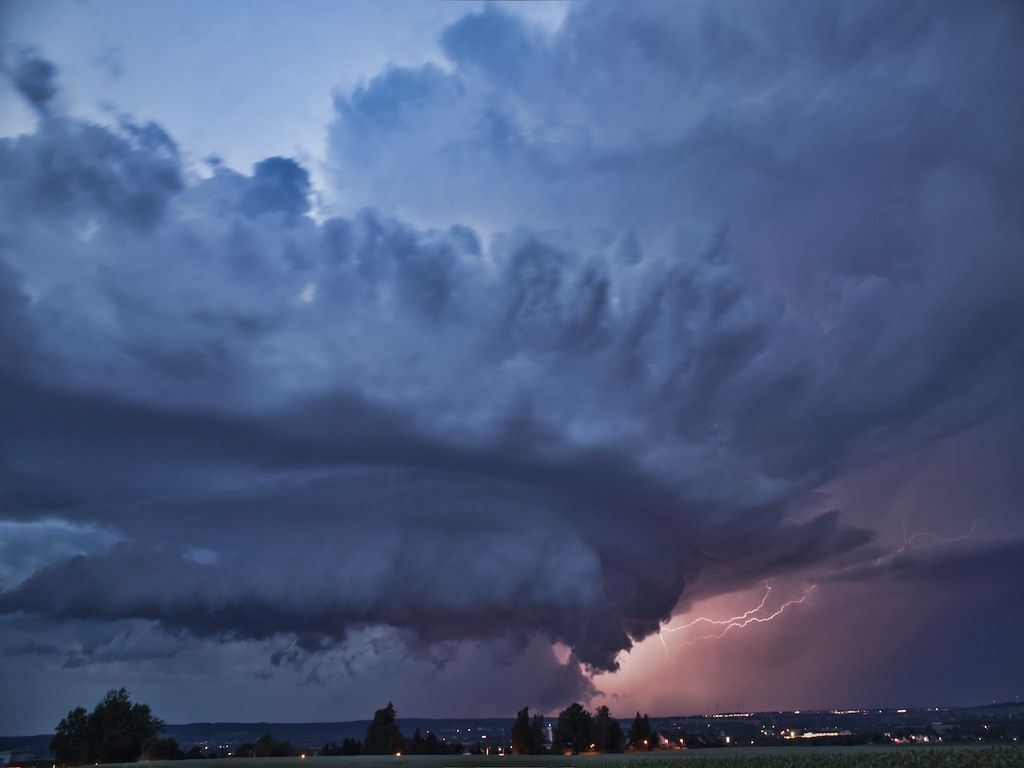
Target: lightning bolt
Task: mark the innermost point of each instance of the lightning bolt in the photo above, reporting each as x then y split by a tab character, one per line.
940	539
910	538
936	538
754	615
739	621
720	622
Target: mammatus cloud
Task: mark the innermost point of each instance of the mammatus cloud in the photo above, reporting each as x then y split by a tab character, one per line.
720	270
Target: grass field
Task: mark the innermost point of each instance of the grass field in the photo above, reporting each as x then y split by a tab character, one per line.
738	757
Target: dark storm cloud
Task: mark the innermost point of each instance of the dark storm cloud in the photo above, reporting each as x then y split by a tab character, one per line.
734	257
34	77
977	567
26	547
441	503
278	184
68	172
14	321
33	649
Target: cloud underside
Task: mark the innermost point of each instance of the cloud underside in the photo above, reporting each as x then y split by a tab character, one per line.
617	299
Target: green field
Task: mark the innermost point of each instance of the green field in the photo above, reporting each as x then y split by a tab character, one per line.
737	757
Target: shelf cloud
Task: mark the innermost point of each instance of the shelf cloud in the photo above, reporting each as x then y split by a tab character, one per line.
600	313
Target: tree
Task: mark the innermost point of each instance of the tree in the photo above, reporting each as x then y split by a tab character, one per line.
640	736
607	733
347	747
528	734
431	746
265	746
537	735
652	736
521	733
113	732
70	742
574	727
382	735
157	748
120	728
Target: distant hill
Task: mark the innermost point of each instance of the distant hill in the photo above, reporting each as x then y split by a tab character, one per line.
469	731
22	747
1000	708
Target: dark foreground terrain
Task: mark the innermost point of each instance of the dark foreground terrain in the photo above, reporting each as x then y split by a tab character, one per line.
937	756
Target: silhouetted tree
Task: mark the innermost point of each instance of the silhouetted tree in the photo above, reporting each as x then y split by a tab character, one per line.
415	745
351	746
640	736
431	745
70	743
157	748
265	746
113	732
528	734
426	745
347	747
574	727
607	733
521	733
382	735
537	735
652	738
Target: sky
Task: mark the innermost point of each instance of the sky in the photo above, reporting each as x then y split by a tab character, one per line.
662	355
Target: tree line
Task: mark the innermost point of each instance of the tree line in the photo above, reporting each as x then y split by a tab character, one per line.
119	731
579	730
384	738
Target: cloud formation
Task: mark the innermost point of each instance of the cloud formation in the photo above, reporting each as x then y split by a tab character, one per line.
611	304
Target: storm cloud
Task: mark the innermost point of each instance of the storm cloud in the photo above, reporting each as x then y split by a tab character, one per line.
601	313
